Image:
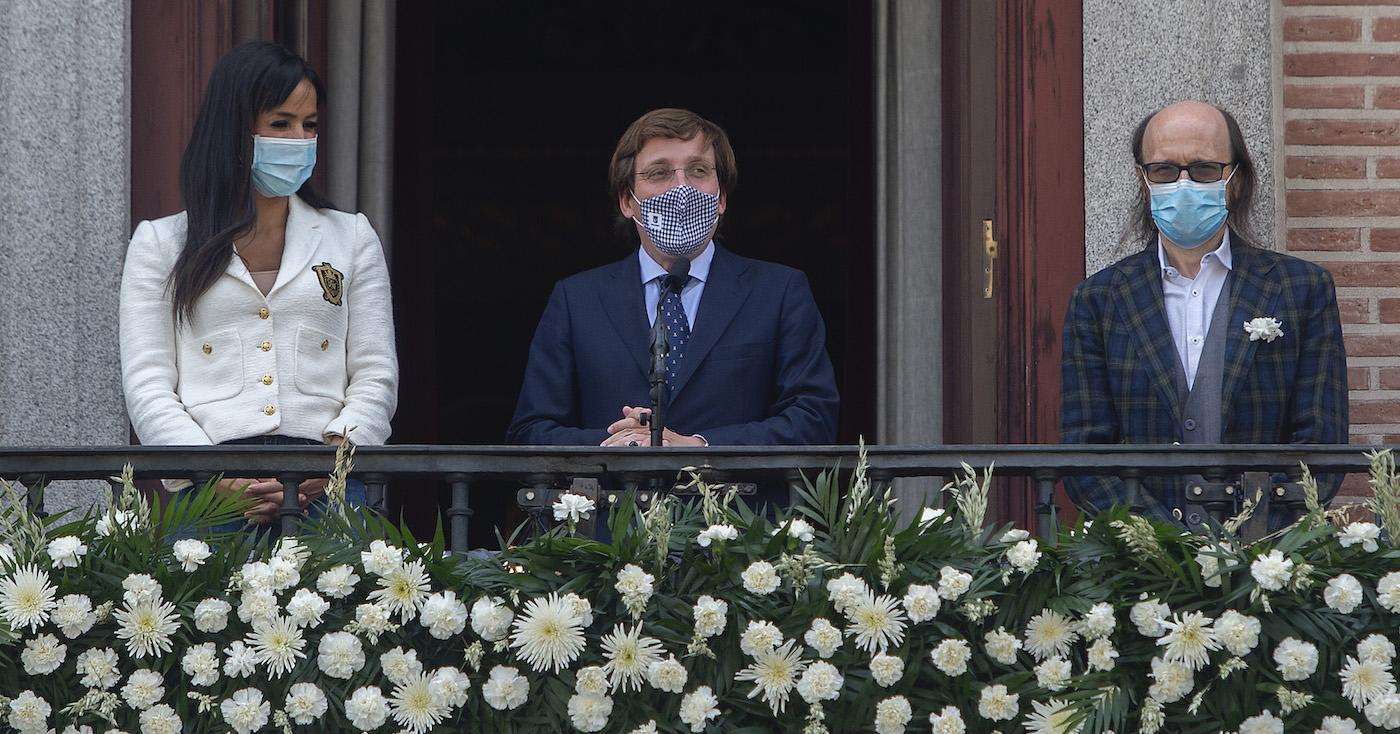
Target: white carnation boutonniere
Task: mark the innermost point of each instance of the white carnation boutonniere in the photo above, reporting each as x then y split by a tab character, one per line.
1264	329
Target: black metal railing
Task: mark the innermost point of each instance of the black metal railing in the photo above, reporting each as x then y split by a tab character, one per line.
543	472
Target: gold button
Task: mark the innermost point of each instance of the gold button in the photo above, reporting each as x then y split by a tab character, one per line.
265	346
263	313
208	348
269	410
325	344
267	379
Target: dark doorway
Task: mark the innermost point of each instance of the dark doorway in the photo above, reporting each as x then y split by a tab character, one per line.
507	116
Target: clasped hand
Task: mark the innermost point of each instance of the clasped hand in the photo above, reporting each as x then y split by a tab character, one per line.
629	431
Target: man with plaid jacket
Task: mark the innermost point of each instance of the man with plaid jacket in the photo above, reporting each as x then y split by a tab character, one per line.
1201	337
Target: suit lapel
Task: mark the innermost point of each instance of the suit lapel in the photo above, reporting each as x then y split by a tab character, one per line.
626	310
1139	296
725	292
1254	294
299	243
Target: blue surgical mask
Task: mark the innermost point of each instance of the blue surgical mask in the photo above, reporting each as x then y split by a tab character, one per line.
1187	212
282	165
679	221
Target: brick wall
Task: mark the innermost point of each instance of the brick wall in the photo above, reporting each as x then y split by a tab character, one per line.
1341	135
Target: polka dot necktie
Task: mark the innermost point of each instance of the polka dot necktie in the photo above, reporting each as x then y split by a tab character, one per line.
677	333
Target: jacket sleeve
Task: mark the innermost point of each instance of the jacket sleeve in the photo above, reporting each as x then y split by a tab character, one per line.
1317	409
371	362
805	409
1087	415
547	411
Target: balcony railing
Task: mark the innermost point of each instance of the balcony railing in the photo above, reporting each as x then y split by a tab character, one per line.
545	471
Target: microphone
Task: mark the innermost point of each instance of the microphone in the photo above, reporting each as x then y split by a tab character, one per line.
677	275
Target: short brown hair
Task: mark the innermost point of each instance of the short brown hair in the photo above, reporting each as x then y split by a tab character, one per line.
669	122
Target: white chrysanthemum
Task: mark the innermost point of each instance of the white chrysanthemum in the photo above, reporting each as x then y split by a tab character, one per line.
306	608
951	656
921	603
1388	591
211	615
305	703
29	712
400	666
797	528
242	661
451	685
278	644
1343	593
1052	717
26	598
821	681
67	551
139	587
845	591
491	618
1272	571
1384	711
1296	660
1376	647
1102	655
886	669
1363	681
635	586
589	712
698	707
1239	633
381	558
43	654
402	590
953	583
573	507
258	605
190	553
373	620
340	655
893	715
1147	616
823	637
760	578
414	707
877	623
1265	723
160	719
367	709
1337	725
1365	533
548	633
201	664
1024	556
1049	634
505	689
444	615
73	615
667	675
998	704
710	615
1097	622
1172	680
716	532
947	721
628	655
1052	674
1002	646
774	674
1189	639
337	582
760	636
147	627
143	689
245	711
98	668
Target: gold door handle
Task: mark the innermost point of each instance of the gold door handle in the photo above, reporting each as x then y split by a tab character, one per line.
989	248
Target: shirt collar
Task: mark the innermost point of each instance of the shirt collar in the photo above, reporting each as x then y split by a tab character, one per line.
1221	254
699	266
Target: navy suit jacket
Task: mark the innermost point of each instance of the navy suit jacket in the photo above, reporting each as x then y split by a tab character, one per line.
1117	383
755	371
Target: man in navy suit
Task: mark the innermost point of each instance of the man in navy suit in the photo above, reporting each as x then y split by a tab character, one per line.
1201	337
747	361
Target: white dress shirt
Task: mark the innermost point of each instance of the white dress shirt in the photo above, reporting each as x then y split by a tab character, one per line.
1190	302
690	294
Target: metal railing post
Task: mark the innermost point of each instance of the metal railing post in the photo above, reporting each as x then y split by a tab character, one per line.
291	502
460	512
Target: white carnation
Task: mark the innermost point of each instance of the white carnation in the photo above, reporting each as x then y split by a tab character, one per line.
305	703
1366	533
710	616
191	553
760	578
1296	660
306	608
886	669
1239	633
143	689
667	675
201	664
948	721
952	656
367	709
1343	593
821	681
698	707
444	615
98	668
953	583
589	712
1172	680
400	665
997	704
1376	647
1388	591
381	558
505	689
1272	571
211	615
892	715
1384	711
337	582
245	711
797	528
43	654
845	591
1147	616
921	603
67	551
1265	723
241	662
30	713
716	532
1052	674
1023	556
491	618
1002	646
759	637
823	637
73	615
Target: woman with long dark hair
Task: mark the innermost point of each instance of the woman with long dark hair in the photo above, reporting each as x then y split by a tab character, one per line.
259	314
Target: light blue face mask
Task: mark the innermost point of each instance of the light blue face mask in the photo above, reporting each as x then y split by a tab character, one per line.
1187	212
282	165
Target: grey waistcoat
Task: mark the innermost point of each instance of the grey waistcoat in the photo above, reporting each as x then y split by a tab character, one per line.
1201	405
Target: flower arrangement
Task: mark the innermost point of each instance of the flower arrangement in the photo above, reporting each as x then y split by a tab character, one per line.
700	617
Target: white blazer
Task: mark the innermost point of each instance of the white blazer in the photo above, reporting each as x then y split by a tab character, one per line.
313	358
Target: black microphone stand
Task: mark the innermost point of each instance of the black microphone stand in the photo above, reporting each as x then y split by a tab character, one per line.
660	347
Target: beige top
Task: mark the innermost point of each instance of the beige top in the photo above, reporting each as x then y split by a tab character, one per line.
264	279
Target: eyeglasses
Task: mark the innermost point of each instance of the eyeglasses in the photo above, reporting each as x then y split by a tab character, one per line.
696	172
1200	171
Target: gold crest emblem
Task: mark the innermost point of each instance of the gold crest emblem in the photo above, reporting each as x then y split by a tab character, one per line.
332	281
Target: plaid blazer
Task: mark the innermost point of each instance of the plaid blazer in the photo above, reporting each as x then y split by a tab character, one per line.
1117	374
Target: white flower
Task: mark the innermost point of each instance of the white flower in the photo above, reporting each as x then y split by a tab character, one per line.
211	615
450	685
773	674
635	587
245	711
1190	640
73	615
1147	615
1023	556
575	507
1337	725
160	719
1052	717
1097	622
291	549
1238	632
1208	559
139	587
1265	723
116	520
647	728
628	655
1172	681
760	578
26	598
506	689
402	589
823	637
716	532
147	627
1052	674
43	654
953	583
191	553
255	575
886	669
759	636
892	715
1365	533
242	661
1272	571
698	707
279	645
1343	593
1364	680
876	623
29	713
306	608
400	665
921	603
949	721
201	664
1384	711
1002	646
284	573
548	633
7	554
258	605
951	656
98	668
1102	655
997	704
373	620
821	681
1376	647
1263	328
1049	634
797	528
67	551
337	582
305	703
413	705
845	591
340	655
667	675
381	558
589	712
367	708
1296	660
710	616
1014	535
1388	591
444	615
143	689
491	618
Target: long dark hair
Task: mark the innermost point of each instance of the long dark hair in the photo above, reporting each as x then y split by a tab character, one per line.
215	171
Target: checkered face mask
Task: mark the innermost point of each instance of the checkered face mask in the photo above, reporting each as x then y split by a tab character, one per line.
679	221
